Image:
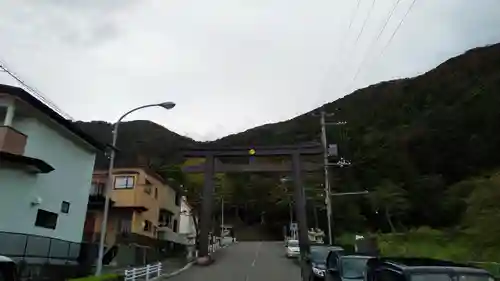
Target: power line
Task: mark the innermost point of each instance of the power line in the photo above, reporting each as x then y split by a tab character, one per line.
399	26
343	39
34	92
395	31
364	23
363	26
351	21
372	44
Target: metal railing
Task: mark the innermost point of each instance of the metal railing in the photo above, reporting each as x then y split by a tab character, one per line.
147	272
36	249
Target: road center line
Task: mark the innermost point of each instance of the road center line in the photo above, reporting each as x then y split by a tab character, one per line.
247	278
256	254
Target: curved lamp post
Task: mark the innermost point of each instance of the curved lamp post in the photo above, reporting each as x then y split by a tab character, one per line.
109	182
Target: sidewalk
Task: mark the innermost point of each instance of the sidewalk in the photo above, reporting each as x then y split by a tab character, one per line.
169	265
217	254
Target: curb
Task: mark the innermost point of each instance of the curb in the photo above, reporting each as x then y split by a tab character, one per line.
186	267
171	274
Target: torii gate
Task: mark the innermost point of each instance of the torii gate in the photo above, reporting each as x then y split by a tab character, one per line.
210	167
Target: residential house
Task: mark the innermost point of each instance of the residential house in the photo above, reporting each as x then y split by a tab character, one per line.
188	221
46	165
144	209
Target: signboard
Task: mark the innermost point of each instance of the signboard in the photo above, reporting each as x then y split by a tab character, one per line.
294	226
333	150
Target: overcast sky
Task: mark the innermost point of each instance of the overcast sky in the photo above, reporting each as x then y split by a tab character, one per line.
228	64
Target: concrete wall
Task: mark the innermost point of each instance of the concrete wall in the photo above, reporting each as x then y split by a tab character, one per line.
70	181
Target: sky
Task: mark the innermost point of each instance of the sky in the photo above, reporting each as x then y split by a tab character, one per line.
229	65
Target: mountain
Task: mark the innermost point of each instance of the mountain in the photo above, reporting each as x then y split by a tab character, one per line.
139	142
412	138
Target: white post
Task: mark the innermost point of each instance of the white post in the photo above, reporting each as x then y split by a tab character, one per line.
147	272
159	270
9	116
133	274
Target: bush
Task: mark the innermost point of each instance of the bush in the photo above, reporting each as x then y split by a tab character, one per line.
107	277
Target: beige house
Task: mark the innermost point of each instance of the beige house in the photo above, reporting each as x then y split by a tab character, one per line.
143	208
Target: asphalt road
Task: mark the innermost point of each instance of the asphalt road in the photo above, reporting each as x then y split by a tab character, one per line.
246	261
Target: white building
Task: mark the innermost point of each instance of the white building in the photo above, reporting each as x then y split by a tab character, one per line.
187	226
46	165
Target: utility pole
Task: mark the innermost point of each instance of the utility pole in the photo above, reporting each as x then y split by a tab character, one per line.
324	142
327	178
222	218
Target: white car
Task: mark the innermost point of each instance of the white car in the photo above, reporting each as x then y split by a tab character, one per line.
292	249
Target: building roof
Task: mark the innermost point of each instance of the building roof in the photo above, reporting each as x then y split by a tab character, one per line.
42	107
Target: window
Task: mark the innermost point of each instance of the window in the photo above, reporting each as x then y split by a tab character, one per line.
174	228
353	268
147	225
65	207
147	189
97	188
46	219
177	199
123	182
332	260
125	226
156	192
165	218
387	275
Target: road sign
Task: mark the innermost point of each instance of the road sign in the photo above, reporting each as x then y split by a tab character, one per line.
294	226
333	150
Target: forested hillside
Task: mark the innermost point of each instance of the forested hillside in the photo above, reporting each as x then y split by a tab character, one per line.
425	147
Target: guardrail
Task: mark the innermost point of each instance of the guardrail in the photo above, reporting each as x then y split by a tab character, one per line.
147	272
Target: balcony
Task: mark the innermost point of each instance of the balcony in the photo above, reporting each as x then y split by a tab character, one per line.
12	141
97	196
12	145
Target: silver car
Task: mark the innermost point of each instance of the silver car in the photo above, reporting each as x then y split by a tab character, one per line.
292	249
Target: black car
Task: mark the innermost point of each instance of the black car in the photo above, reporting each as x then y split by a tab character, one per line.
318	257
346	267
422	269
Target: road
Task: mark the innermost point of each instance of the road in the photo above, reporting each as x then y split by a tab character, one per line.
246	261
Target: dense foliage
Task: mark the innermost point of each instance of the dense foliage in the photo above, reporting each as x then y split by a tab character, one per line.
419	145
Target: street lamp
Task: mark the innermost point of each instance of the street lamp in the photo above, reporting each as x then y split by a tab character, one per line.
109	183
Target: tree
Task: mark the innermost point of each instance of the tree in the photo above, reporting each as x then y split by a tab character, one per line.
390	199
483	211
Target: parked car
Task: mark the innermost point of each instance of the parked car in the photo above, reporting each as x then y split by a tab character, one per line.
8	269
346	267
292	249
422	269
318	258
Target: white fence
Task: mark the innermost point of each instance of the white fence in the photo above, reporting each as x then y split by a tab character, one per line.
147	272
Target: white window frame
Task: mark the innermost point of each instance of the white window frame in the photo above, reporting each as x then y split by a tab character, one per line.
129	182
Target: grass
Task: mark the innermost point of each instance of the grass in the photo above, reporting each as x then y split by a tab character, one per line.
107	277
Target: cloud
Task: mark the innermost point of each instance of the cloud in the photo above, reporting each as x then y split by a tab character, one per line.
228	64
